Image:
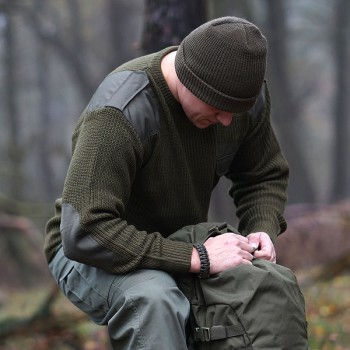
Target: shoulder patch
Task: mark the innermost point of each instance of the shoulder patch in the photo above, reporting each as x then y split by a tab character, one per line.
117	89
130	92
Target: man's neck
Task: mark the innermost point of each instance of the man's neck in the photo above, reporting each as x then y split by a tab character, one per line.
169	73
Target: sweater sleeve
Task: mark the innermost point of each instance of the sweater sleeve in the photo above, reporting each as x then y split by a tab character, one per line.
259	179
105	161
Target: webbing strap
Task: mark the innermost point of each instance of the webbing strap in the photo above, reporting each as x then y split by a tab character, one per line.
205	334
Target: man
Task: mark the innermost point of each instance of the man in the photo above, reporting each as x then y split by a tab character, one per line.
147	151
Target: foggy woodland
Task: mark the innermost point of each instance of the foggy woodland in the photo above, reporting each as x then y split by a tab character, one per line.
54	54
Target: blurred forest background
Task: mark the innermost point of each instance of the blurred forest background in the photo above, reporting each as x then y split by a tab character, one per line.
54	54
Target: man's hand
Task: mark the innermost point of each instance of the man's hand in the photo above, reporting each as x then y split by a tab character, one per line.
265	248
225	251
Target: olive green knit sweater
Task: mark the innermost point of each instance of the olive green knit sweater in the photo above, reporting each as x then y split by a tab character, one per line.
125	195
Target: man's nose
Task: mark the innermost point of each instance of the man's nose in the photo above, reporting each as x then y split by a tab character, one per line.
224	118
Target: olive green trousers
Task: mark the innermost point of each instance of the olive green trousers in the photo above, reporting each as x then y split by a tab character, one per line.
143	309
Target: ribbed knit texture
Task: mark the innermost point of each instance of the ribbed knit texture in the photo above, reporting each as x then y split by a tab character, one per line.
130	195
223	63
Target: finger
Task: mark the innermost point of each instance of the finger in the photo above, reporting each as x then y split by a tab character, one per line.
263	254
254	245
239	237
240	258
250	248
246	254
230	236
246	262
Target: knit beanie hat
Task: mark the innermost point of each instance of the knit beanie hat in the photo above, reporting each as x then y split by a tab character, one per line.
223	63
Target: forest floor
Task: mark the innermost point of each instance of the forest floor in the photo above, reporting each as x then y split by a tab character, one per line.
328	313
327	306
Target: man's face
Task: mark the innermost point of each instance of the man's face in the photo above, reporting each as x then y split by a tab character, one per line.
200	113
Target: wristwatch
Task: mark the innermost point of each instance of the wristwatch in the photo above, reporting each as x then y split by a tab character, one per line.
204	260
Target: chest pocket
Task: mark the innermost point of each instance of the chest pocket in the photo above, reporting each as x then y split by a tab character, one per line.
224	157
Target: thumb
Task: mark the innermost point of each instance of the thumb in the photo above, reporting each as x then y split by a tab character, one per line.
254	242
255	246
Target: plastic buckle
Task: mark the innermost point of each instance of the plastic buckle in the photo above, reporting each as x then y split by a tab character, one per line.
218	229
202	334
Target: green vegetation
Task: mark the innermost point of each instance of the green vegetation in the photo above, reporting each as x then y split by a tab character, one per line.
66	328
328	313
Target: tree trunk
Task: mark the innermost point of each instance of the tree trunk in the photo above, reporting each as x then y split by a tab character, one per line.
44	84
66	49
341	174
14	152
167	22
239	8
285	108
123	47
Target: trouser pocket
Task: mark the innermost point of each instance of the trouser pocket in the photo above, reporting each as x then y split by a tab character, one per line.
79	284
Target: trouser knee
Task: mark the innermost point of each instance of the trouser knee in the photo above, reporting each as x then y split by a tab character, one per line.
149	309
153	290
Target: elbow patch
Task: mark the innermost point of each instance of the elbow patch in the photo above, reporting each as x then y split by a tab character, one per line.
70	230
79	245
